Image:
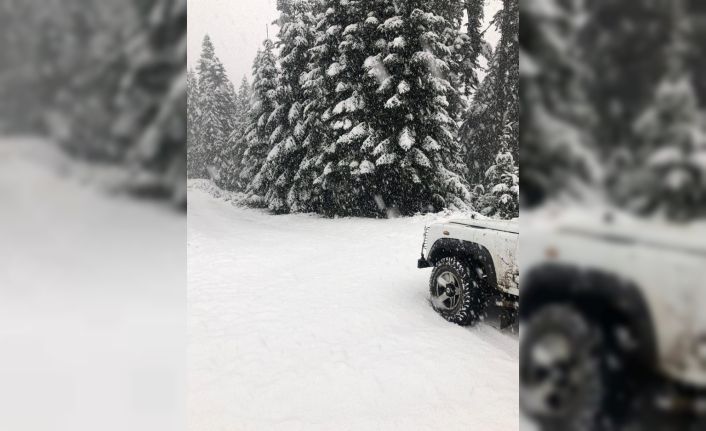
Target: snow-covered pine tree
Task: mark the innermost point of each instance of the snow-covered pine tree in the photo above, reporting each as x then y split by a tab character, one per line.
296	24
151	103
556	149
496	103
258	131
414	133
216	112
625	44
317	89
475	44
508	55
335	166
242	124
502	182
194	152
481	130
669	176
237	143
464	46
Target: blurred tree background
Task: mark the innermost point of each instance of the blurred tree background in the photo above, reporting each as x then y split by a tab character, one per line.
613	104
104	79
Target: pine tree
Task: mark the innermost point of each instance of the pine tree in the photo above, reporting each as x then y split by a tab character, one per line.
317	89
335	168
195	156
556	149
508	54
496	103
475	44
481	130
624	43
258	131
502	182
465	46
237	142
669	170
414	133
151	102
287	120
238	138
216	112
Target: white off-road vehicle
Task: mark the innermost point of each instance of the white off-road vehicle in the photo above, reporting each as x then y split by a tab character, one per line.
613	312
474	265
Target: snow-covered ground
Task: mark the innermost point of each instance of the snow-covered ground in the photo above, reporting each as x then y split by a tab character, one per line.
297	322
92	299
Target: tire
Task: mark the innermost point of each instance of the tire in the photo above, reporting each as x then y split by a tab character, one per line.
563	380
464	300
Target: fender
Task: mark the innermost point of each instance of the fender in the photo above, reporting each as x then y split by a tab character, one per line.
598	294
468	252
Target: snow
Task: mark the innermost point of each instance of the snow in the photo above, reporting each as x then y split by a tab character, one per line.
91	298
359	132
394	23
294	112
430	144
386	159
421	159
398	43
403	87
665	156
376	69
333	30
334	69
407	139
372	21
342	86
369	142
298	322
393	102
500	188
353	28
366	167
342	124
351	104
381	147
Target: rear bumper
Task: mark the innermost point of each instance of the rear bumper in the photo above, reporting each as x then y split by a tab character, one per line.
422	263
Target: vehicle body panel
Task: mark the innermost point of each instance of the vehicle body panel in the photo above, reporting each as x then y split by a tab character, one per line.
499	238
666	264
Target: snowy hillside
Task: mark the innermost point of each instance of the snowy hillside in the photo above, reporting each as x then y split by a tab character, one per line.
300	322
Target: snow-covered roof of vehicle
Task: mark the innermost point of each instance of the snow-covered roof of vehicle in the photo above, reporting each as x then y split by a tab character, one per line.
511	226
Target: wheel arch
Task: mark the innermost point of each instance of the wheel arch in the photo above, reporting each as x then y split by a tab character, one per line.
467	251
598	294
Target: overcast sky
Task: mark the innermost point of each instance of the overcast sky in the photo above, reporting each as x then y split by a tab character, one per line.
237	29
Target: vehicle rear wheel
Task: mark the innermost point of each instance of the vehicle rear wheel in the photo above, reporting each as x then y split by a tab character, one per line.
455	292
562	378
